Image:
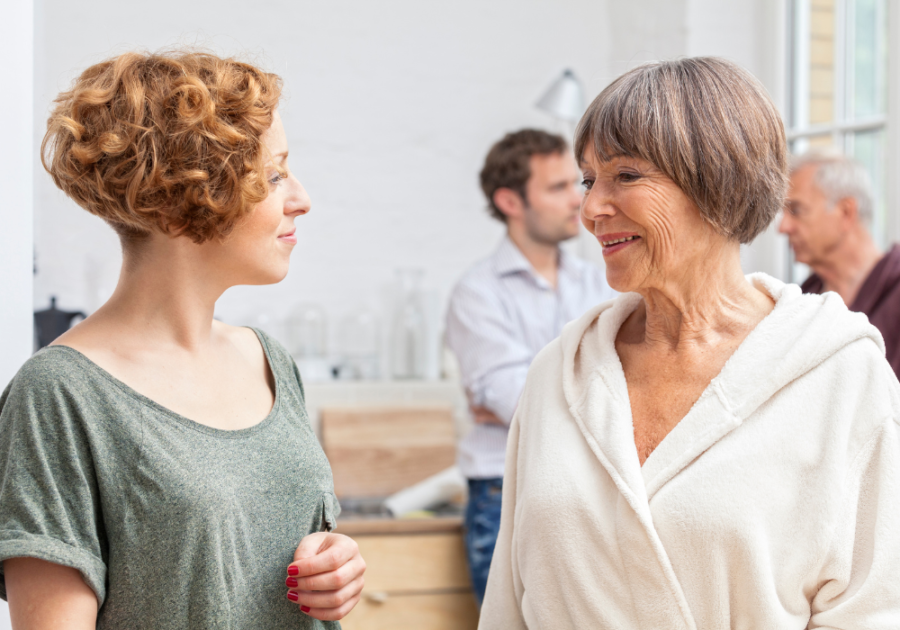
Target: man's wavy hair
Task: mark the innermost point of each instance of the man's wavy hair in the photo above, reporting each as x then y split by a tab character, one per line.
508	163
168	142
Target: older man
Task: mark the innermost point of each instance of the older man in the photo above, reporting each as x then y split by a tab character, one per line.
510	305
827	219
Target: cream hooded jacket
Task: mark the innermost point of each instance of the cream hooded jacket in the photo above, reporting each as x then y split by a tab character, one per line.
773	504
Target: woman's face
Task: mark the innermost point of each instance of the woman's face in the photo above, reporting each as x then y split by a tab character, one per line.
260	246
652	234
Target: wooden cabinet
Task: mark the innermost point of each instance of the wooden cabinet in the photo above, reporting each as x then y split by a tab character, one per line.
416	577
447	611
377	451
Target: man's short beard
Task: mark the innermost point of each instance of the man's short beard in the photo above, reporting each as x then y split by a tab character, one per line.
541	237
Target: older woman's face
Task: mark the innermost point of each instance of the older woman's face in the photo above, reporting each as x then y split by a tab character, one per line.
650	231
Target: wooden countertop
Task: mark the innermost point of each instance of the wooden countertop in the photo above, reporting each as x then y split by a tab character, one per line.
371	526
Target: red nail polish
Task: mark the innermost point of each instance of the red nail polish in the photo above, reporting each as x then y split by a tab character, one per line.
291	581
304	608
292	570
293	596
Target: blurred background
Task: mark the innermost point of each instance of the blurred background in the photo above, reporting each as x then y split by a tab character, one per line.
390	108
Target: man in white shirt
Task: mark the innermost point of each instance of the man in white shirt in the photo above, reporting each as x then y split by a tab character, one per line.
510	305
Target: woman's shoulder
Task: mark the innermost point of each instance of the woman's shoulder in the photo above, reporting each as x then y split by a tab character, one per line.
256	342
862	370
856	391
596	326
56	387
51	369
548	361
279	357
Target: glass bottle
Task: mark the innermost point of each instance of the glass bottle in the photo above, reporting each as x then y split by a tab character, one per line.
306	336
408	327
360	344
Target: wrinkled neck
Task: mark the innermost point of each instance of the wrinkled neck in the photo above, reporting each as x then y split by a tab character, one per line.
702	304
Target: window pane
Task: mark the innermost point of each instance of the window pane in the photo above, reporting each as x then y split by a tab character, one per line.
868	54
868	149
838	76
801	145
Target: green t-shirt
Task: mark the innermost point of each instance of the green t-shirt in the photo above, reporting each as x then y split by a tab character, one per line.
172	523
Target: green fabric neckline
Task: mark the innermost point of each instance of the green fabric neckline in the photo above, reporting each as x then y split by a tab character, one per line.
183	420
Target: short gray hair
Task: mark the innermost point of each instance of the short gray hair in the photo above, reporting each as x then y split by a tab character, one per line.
839	177
706	123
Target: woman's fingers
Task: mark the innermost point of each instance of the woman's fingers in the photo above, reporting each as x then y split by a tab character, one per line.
332	580
322	552
326	577
332	614
329	599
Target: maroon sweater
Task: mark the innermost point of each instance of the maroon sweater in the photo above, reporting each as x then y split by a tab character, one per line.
879	298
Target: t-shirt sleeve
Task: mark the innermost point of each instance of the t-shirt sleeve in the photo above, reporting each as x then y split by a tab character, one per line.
49	499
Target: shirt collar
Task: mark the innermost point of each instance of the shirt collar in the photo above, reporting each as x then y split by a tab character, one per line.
508	259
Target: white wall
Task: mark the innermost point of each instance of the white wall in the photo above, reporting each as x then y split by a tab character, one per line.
16	168
390	109
16	164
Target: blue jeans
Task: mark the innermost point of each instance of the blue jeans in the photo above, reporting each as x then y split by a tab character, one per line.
482	526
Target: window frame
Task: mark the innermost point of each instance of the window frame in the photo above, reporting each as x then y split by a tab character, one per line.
797	15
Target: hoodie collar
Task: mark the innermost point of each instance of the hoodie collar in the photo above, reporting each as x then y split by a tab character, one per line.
799	334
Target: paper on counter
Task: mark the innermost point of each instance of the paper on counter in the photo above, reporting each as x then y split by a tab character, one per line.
437	489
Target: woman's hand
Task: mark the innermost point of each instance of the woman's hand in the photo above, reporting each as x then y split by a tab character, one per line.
326	576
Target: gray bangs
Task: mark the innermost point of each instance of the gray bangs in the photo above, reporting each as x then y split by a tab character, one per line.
616	122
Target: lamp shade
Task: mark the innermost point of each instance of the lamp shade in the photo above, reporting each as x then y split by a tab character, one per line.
564	99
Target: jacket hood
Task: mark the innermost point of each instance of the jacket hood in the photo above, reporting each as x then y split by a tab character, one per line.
800	333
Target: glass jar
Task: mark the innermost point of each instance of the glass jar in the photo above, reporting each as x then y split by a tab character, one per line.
408	331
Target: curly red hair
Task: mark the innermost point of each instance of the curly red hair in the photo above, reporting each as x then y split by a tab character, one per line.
168	142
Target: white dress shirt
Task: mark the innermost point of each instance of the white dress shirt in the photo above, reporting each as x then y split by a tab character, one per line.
501	313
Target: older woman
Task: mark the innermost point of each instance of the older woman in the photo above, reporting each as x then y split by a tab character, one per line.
157	467
707	450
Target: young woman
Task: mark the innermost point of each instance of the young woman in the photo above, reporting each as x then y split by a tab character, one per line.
157	467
